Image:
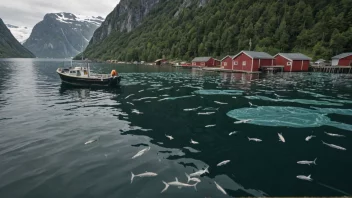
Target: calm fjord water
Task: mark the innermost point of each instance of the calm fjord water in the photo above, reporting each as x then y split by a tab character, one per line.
44	127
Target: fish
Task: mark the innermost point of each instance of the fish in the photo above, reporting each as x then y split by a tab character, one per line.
334	146
242	121
233	133
334	135
178	184
189	178
254	139
211	125
200	172
136	111
211	109
91	141
220	188
310	137
281	138
170	137
205	113
192	109
130	103
307	178
194	142
146	174
221	103
308	162
223	163
129	96
141	152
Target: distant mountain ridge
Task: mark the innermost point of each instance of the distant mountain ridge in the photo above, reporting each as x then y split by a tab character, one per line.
9	46
62	35
19	32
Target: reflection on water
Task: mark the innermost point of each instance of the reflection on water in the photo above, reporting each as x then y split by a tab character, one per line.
45	125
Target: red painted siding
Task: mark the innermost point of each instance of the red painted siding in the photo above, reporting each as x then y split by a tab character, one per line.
241	59
266	62
210	63
297	65
347	61
227	63
279	60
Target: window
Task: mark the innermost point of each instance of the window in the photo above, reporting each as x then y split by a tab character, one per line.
244	63
235	63
193	63
289	63
225	63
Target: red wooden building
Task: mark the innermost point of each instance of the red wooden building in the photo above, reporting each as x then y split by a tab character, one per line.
248	61
344	59
205	62
293	62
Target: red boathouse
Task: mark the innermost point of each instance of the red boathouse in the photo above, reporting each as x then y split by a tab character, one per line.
249	61
344	59
293	62
205	62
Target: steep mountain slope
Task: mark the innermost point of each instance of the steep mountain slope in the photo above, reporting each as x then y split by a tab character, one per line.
9	46
62	35
19	32
187	28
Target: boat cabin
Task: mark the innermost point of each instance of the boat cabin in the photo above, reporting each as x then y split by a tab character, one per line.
77	71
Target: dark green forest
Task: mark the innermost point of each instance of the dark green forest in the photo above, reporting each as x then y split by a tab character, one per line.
317	28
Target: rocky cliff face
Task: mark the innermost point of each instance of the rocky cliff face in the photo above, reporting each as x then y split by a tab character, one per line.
9	46
127	15
62	35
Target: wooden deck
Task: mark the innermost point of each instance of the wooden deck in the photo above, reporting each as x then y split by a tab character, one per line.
271	68
217	69
332	69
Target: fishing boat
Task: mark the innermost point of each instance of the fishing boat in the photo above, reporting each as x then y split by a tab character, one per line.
82	76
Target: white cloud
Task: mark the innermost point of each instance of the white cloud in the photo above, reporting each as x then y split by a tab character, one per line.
30	12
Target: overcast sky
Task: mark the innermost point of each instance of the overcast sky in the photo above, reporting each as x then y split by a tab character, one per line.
30	12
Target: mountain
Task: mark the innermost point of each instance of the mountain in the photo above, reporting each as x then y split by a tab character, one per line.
151	29
19	32
62	35
9	46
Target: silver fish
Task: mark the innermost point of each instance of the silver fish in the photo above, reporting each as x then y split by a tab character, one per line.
146	174
220	188
200	172
91	141
307	162
281	137
334	135
223	163
194	142
220	103
211	125
178	184
254	139
129	96
310	137
307	178
170	137
334	146
205	113
232	133
242	121
192	109
141	152
189	178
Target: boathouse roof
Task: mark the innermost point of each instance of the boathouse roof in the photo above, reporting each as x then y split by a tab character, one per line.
257	55
201	59
343	55
294	56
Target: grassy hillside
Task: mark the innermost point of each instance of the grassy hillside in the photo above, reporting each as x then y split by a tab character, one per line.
318	28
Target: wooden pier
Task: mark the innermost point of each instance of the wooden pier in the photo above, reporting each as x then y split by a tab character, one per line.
332	69
219	69
273	69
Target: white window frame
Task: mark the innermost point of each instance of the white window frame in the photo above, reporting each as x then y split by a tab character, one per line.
289	63
194	63
225	64
235	63
244	63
